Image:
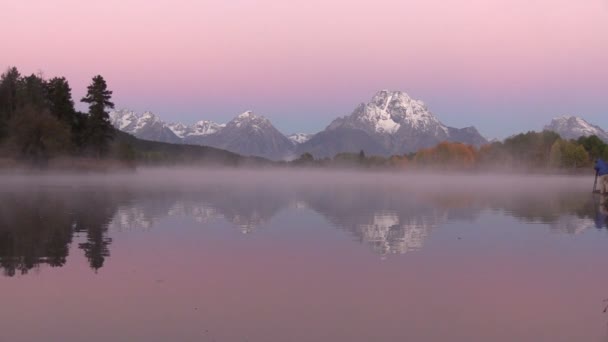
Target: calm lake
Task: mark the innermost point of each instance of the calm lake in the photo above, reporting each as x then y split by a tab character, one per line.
226	255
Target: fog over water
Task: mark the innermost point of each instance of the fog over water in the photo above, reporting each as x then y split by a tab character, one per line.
300	255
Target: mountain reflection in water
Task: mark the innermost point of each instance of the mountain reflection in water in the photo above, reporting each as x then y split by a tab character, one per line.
38	223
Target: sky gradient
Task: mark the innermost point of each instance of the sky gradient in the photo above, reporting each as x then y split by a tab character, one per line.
504	66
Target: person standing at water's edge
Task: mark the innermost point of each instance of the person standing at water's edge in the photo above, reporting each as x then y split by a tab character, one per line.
602	171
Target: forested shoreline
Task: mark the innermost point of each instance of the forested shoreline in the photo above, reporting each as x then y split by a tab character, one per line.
38	120
41	128
532	151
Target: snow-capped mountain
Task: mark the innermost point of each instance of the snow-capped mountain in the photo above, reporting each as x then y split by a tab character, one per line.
149	126
200	128
299	138
393	121
247	134
145	126
388	112
572	127
251	135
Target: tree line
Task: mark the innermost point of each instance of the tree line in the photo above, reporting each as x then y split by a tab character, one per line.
525	151
38	119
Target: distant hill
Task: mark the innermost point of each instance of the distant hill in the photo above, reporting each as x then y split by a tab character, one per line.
154	152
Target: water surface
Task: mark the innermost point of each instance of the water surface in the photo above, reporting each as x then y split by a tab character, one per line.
301	256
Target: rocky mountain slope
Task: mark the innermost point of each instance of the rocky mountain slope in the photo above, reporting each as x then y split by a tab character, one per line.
250	135
145	126
572	127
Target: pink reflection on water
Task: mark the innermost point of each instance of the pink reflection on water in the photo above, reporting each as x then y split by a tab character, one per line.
193	283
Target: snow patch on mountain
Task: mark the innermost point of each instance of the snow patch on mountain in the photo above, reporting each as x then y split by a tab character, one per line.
574	127
250	134
135	123
254	121
389	111
299	138
200	128
130	121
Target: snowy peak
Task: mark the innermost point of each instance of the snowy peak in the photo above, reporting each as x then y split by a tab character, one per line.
136	124
251	135
573	127
246	115
122	119
205	127
387	112
146	125
392	122
200	128
250	119
299	138
178	129
404	110
132	122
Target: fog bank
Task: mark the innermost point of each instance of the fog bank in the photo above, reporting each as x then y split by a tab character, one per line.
191	179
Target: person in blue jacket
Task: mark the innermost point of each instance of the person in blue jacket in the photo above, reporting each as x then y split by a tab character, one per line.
602	171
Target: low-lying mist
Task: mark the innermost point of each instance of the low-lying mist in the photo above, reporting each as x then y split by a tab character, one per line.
185	179
391	212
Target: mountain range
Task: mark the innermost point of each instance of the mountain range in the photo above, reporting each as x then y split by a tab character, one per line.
390	123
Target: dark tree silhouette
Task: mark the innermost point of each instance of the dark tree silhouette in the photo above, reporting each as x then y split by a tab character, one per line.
9	84
37	135
61	104
35	228
96	248
93	217
33	92
99	129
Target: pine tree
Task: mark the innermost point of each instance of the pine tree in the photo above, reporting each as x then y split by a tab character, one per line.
61	106
60	100
33	92
9	85
99	128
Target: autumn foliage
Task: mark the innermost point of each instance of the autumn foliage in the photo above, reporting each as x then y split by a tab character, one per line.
451	155
522	152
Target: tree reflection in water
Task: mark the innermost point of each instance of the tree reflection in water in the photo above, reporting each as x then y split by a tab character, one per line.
38	225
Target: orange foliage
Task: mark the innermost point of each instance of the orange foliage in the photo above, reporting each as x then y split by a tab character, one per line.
447	154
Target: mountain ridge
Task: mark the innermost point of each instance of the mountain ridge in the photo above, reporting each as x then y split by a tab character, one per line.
574	127
397	122
390	123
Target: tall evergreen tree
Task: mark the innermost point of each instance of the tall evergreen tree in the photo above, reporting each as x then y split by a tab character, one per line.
61	104
99	129
9	85
33	92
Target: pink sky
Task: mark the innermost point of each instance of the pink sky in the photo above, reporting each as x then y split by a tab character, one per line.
502	65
